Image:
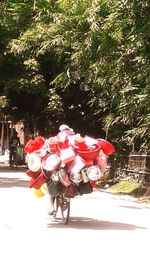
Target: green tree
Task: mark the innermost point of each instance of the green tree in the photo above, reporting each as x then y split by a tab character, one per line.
89	60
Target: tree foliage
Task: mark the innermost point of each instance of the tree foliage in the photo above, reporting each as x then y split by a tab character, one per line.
81	62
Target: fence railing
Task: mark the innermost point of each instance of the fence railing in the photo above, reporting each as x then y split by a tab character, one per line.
133	165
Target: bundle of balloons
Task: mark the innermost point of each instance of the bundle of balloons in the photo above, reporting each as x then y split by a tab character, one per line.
67	157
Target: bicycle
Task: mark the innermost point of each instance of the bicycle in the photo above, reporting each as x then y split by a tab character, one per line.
62	205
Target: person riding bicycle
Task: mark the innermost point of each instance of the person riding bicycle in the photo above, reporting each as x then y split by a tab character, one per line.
69	132
14	142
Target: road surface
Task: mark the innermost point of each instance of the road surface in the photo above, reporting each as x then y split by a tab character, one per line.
104	229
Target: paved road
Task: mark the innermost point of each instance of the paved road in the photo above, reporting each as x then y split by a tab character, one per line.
104	229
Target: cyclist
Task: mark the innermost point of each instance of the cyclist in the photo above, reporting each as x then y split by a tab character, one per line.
13	143
69	132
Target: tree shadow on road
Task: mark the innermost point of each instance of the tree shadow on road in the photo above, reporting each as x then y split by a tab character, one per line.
6	168
12	177
13	182
93	224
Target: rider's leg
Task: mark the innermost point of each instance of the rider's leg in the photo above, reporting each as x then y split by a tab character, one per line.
52	208
10	157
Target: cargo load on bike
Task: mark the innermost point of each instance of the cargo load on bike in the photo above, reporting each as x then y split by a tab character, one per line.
67	164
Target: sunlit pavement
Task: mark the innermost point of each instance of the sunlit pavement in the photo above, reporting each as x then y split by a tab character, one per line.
104	229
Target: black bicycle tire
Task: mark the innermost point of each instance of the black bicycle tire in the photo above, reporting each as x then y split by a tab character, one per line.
65	218
64	214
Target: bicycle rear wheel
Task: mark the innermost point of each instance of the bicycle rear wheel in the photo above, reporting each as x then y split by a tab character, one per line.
63	208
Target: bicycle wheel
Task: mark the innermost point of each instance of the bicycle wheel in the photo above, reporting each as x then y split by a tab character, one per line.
62	208
65	209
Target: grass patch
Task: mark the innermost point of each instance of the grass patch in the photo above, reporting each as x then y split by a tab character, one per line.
128	187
